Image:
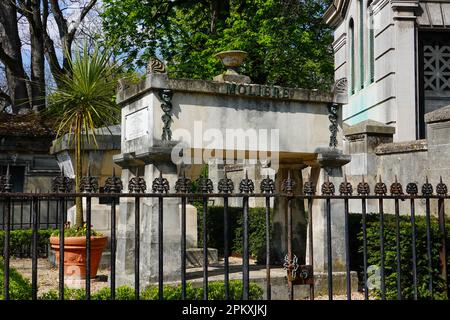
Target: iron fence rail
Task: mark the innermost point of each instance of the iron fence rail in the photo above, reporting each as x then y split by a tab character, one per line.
296	274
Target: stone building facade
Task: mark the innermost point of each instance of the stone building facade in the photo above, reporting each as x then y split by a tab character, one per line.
395	55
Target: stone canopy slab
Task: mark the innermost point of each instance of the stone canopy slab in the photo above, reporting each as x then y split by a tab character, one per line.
209	116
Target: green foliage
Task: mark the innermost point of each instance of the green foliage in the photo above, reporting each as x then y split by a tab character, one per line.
75	231
215	229
216	291
374	256
86	97
194	183
287	40
19	287
20	240
83	101
256	230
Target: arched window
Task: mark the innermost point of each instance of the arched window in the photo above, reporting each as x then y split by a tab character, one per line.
371	43
361	45
352	56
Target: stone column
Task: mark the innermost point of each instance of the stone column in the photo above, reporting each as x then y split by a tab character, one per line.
404	39
328	166
362	140
280	227
149	210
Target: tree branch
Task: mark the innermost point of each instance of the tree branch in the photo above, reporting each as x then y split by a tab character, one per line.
5	96
59	18
6	58
83	14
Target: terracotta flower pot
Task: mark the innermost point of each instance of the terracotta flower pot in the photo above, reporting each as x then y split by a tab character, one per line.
75	254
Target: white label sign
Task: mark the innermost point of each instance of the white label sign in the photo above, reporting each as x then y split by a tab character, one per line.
136	124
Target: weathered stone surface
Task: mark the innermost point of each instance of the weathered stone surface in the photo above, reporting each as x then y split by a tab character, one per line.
439	115
369	126
400	147
279	220
334	174
107	139
161	81
194	257
237	78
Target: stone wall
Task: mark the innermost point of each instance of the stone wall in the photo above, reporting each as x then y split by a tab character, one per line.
374	155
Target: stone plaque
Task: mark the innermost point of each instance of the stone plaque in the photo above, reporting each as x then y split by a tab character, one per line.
136	124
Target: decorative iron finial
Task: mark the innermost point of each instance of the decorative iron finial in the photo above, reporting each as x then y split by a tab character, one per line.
113	184
137	184
89	184
288	184
441	188
363	188
346	188
5	185
160	184
328	187
205	184
380	187
396	188
225	185
62	184
183	184
246	185
427	188
267	185
309	188
412	189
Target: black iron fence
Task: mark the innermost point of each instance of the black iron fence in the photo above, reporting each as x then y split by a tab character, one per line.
296	274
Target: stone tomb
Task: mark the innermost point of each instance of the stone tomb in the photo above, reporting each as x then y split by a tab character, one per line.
170	124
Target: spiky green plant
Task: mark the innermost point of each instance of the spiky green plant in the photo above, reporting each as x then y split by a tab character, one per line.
83	101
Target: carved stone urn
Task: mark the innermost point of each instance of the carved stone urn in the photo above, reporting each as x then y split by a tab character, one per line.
232	59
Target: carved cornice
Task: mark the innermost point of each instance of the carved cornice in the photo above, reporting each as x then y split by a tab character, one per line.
336	12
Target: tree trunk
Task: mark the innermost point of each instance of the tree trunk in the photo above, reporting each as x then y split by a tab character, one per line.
11	56
78	202
220	10
37	58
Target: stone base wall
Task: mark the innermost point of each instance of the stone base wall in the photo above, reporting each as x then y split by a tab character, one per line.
374	155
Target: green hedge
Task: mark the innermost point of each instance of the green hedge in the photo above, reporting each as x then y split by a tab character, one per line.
215	232
19	287
216	291
373	249
20	241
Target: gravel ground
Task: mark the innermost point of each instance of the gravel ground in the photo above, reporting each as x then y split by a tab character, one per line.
355	296
48	276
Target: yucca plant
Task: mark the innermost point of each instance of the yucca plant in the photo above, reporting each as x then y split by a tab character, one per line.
83	101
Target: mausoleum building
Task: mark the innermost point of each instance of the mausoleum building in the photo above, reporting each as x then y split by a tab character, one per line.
395	56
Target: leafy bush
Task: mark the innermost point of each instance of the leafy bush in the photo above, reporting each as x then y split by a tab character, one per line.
19	287
73	231
374	256
215	229
20	241
216	291
256	230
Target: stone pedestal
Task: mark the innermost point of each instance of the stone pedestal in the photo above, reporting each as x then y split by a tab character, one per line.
329	166
149	232
280	218
361	144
